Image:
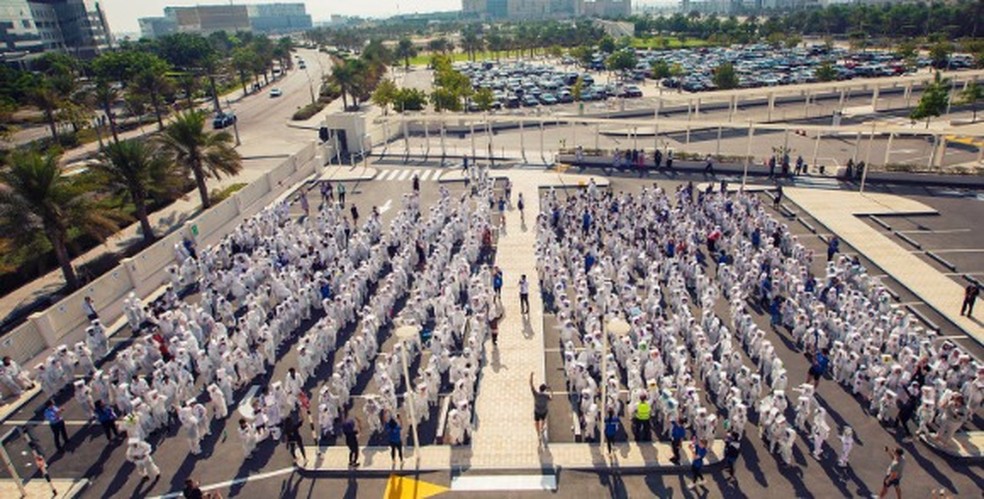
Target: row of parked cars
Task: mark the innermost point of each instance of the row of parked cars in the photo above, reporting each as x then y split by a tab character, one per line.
762	65
521	84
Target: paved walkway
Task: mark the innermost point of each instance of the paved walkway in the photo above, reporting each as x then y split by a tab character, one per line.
504	435
839	210
39	489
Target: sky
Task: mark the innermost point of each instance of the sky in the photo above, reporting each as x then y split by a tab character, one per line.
123	14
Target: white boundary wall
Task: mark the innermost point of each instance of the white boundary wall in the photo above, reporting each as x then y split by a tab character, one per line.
144	273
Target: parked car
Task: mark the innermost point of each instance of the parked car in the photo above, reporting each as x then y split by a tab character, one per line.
223	120
632	91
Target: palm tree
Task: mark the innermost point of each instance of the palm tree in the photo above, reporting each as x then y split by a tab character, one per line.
405	50
152	81
36	197
46	97
203	153
135	169
106	94
348	75
471	43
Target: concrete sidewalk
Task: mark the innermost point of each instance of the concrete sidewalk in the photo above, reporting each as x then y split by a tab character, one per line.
39	489
583	456
504	435
839	210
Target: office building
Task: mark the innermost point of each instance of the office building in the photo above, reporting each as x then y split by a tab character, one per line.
543	9
29	28
278	17
205	19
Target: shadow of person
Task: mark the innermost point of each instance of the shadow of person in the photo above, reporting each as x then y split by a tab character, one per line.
496	360
352	488
527	327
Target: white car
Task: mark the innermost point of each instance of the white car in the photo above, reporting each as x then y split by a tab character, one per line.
276	92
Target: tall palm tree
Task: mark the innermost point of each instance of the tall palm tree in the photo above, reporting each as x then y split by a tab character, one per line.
205	154
349	75
137	170
36	197
106	95
46	97
405	50
471	43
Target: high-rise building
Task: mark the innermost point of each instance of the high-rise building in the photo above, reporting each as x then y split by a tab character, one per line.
205	19
31	27
278	17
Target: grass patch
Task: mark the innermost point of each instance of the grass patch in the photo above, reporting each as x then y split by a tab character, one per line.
668	43
308	111
221	195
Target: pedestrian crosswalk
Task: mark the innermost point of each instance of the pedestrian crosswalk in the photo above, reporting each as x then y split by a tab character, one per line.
406	174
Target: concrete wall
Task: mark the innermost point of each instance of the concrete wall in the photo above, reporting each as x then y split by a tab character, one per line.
143	274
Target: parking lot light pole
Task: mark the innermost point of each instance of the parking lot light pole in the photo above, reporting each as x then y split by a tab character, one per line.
748	155
406	334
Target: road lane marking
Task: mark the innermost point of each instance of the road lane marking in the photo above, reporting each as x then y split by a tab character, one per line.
237	481
503	483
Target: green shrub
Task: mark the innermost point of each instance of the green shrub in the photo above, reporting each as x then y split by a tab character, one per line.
308	111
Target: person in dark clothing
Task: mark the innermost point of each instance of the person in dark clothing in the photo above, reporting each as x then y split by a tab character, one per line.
416	183
732	450
292	436
697	465
833	247
657	159
350	428
709	165
970	296
677	434
541	406
394	433
53	415
611	429
107	418
193	490
778	198
355	215
818	366
906	410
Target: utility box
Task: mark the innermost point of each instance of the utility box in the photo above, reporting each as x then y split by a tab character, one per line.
346	133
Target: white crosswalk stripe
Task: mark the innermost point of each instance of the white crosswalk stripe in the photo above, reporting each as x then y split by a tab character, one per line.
406	174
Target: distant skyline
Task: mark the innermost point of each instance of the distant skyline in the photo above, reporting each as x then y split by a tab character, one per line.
123	14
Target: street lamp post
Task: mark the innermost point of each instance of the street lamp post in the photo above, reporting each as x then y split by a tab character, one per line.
406	334
235	122
310	84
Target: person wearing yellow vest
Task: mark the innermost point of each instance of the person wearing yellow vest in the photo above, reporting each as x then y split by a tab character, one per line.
641	427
